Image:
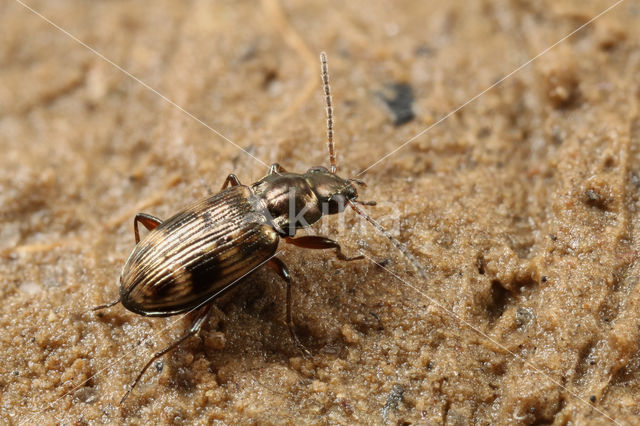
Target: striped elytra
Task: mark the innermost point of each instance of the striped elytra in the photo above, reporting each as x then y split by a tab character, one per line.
195	255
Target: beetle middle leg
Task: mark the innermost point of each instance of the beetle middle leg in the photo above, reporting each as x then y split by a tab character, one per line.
231	180
318	242
279	266
201	316
276	168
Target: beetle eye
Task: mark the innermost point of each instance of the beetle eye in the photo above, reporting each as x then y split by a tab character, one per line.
318	169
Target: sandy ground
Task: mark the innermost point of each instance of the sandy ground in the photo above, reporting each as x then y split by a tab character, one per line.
522	207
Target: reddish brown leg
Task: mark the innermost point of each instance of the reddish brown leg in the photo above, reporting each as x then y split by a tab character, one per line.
279	266
201	316
149	222
318	242
231	180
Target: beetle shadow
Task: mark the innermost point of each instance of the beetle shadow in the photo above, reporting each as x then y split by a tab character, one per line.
251	318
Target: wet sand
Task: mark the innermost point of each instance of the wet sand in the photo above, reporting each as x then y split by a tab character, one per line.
522	207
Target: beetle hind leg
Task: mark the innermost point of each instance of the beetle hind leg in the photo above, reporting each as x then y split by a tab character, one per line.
149	222
279	266
201	316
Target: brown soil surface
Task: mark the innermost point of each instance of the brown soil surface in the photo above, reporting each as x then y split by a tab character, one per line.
523	207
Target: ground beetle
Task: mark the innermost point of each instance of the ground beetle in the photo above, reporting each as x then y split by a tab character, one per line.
187	261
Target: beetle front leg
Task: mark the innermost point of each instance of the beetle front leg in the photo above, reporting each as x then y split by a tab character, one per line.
317	242
201	316
149	222
231	180
279	266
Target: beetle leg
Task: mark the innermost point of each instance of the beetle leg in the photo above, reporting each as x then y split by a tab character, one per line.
201	316
108	305
318	242
149	222
231	180
279	266
276	168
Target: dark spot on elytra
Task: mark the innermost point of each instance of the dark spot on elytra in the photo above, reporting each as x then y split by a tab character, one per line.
207	219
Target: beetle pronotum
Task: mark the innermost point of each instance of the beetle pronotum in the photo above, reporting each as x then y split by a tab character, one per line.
187	261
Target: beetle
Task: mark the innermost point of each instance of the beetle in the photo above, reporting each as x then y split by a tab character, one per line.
186	262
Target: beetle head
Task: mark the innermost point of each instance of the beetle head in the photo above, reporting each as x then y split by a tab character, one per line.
332	191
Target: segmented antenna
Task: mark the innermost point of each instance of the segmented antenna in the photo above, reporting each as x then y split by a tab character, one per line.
414	262
327	98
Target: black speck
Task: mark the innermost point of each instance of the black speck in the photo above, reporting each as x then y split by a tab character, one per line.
553	237
32	340
483	132
532	410
594	198
380	325
394	398
424	50
16	373
543	279
384	262
480	264
269	77
399	103
592	398
592	195
159	366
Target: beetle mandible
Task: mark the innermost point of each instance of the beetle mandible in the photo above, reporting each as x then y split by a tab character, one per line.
187	261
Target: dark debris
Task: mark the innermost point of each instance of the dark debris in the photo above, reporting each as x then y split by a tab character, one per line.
398	98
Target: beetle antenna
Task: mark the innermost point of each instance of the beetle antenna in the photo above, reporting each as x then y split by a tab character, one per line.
414	262
327	98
